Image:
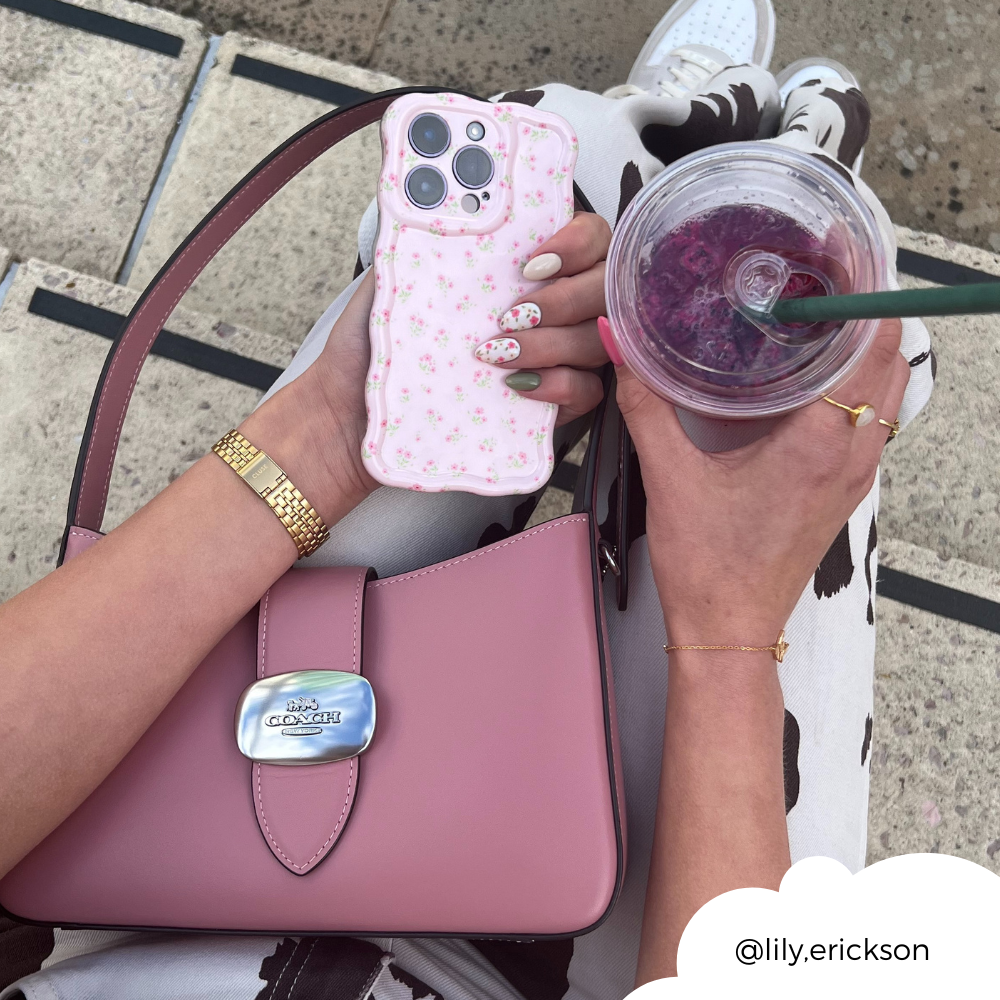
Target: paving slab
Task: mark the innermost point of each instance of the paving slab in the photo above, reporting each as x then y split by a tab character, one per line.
935	754
84	124
48	372
282	270
941	477
345	30
930	75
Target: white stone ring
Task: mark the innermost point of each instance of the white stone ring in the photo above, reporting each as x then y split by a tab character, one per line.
861	416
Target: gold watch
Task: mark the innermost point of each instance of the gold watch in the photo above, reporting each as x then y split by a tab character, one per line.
262	474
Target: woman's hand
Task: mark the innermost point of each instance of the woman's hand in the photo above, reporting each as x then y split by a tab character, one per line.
733	539
735	536
314	426
549	338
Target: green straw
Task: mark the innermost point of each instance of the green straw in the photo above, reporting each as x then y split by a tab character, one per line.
959	300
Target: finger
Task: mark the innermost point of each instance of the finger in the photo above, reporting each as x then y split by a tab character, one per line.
579	245
578	346
832	430
574	392
652	421
868	386
565	302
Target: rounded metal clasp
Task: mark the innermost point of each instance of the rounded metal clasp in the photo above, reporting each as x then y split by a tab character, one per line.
306	717
607	556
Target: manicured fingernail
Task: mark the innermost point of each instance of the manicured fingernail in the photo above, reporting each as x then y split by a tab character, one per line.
523	316
543	266
608	340
496	352
523	381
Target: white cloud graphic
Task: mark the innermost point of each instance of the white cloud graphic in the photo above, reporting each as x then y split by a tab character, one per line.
916	926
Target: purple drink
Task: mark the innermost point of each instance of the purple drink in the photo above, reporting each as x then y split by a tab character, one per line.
686	307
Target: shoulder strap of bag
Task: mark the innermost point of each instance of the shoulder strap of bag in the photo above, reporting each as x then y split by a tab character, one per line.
128	352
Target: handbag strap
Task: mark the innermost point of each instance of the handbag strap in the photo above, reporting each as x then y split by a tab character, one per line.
130	348
89	492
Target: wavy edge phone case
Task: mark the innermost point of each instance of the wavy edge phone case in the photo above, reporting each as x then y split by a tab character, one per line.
439	418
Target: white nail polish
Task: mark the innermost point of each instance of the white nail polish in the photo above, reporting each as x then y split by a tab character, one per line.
498	351
523	316
543	266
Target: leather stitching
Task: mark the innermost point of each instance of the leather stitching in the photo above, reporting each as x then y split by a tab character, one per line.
263	635
475	555
357	600
165	316
350	778
326	843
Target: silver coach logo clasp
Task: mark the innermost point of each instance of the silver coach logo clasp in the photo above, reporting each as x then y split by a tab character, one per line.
334	720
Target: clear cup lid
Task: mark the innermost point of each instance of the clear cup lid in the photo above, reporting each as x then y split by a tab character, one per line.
742	223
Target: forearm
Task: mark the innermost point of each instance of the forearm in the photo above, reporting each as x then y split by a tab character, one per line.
93	652
720	820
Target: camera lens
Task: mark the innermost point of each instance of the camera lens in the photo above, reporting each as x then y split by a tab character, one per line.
475	131
429	135
473	166
426	186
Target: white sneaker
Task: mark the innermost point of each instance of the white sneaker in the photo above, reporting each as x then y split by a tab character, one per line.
696	33
816	68
803	71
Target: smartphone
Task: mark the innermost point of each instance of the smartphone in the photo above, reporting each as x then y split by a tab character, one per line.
468	190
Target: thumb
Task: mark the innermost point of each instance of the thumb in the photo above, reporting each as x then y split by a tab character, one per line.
651	421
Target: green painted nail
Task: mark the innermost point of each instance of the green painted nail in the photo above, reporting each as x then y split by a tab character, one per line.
523	381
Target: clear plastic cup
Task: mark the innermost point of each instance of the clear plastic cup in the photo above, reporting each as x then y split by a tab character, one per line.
667	308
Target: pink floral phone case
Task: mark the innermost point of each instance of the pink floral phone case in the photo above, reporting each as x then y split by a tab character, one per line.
438	418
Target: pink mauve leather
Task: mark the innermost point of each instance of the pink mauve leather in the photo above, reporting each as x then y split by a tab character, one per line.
312	618
491	800
486	806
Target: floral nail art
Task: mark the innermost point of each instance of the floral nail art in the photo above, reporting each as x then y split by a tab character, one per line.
521	317
498	351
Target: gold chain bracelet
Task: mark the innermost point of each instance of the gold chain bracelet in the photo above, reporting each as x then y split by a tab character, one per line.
264	476
778	650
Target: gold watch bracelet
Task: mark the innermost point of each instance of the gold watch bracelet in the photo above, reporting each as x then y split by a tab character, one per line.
268	480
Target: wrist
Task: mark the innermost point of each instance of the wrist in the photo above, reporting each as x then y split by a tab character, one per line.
317	446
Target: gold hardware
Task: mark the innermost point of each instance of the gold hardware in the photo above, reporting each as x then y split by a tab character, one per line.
266	478
778	650
861	416
893	427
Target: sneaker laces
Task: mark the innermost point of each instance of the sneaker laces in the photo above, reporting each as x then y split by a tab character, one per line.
692	70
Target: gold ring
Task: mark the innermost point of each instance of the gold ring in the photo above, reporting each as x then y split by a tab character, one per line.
861	416
893	427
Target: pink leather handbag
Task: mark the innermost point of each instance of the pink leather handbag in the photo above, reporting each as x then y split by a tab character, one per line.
489	802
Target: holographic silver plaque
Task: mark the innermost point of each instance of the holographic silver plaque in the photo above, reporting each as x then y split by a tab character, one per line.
305	717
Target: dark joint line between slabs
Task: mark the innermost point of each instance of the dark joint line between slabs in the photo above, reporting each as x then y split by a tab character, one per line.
939	600
174	346
941	272
100	24
296	82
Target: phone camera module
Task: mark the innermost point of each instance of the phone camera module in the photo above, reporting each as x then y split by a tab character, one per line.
426	186
475	131
473	167
429	135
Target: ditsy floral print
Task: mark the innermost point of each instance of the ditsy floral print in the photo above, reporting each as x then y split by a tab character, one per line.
440	415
